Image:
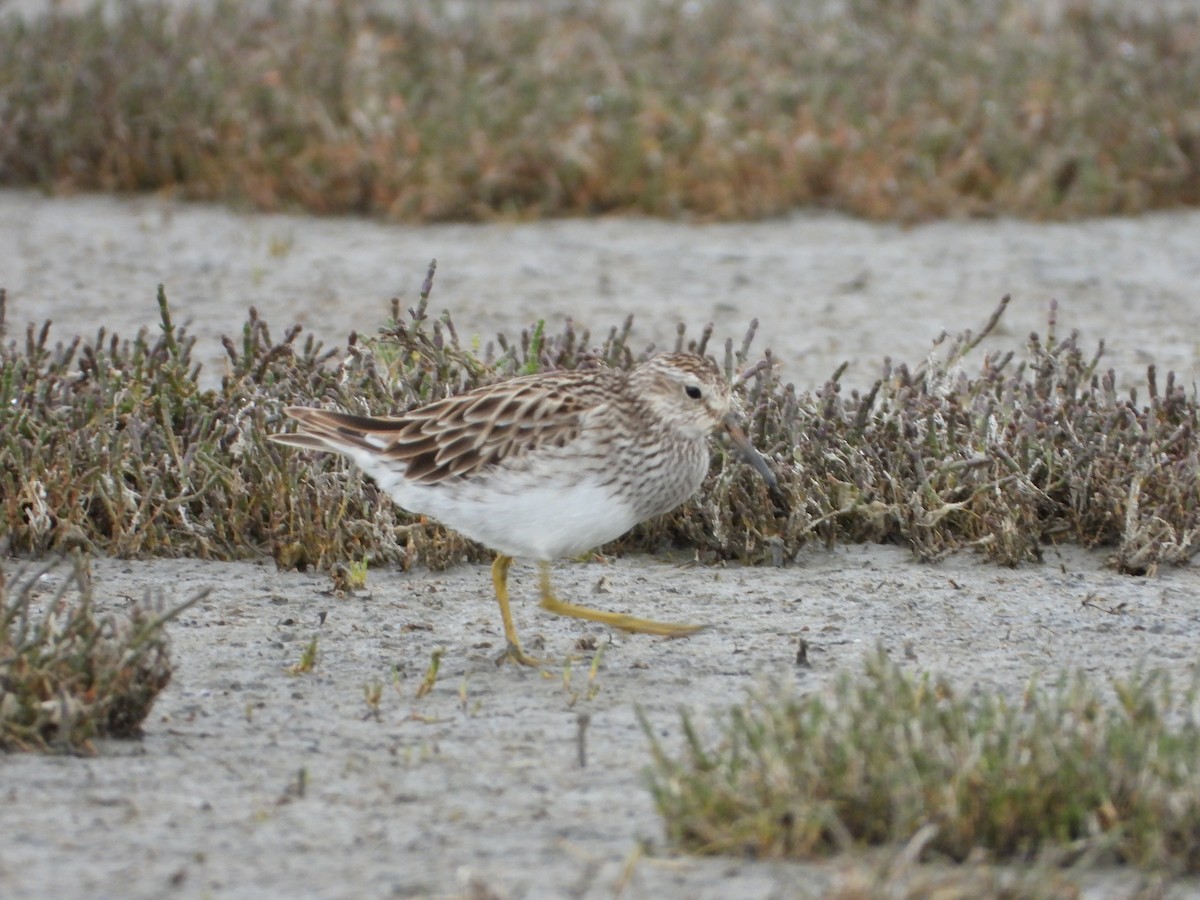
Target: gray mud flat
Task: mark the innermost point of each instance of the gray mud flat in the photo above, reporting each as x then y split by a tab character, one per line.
826	289
255	782
252	781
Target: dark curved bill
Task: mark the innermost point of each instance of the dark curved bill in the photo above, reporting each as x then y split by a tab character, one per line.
756	461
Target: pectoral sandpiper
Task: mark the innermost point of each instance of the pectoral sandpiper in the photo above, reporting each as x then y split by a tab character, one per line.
546	466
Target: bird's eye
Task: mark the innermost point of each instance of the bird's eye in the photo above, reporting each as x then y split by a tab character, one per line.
692	391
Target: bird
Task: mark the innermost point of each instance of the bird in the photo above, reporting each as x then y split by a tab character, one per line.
547	466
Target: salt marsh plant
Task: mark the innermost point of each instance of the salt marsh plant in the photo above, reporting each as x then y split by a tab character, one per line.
68	673
112	445
725	109
887	757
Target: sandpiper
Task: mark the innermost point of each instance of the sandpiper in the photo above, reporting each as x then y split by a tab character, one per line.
546	466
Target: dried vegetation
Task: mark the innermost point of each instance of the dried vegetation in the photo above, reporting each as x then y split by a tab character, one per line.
113	447
1064	776
719	109
69	674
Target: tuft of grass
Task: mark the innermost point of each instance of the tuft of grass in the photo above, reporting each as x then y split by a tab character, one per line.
889	758
373	697
351	576
431	674
68	675
113	446
307	661
591	688
721	110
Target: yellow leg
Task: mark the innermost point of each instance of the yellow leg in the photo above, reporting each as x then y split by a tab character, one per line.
500	581
613	620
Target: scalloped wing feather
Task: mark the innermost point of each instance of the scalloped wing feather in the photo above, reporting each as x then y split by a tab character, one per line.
462	435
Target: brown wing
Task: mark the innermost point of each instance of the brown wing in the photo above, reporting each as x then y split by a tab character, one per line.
466	434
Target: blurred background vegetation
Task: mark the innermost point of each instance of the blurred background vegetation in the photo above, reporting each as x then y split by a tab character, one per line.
709	109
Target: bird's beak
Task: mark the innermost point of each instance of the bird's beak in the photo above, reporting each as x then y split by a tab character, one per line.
756	461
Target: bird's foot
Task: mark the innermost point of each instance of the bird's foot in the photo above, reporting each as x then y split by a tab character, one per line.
513	653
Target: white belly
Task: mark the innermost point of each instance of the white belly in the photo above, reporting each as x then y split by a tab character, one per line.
517	515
